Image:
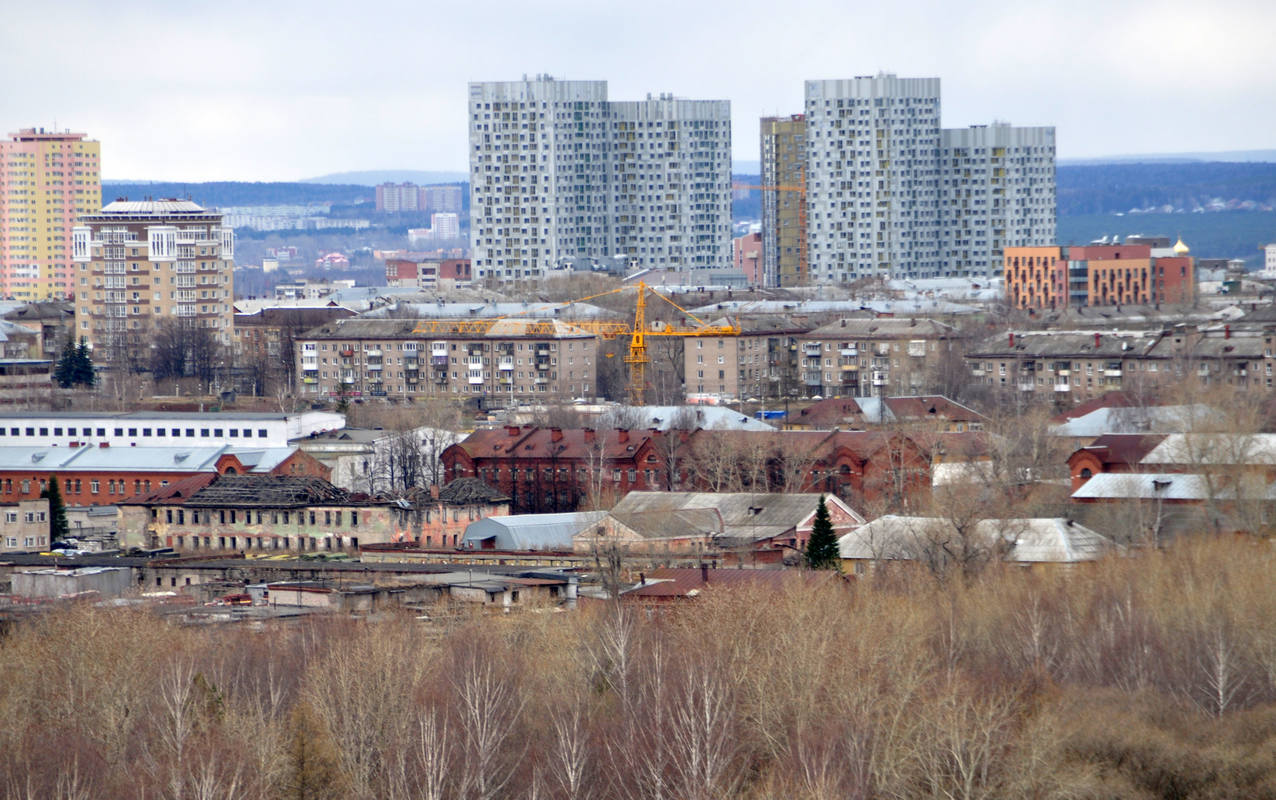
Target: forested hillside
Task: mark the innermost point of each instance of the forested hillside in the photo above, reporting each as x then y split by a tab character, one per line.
1117	188
1151	675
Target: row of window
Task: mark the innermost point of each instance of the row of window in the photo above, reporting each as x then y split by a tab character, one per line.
235	516
190	433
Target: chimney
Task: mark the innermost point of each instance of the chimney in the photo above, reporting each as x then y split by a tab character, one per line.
555	434
1227	331
622	435
434	492
1098	339
1012	338
704	572
589	435
512	430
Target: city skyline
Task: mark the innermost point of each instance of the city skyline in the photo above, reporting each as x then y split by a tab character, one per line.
272	94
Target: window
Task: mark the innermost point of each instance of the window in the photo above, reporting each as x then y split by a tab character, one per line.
95	486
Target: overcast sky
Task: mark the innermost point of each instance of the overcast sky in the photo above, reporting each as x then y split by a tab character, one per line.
282	90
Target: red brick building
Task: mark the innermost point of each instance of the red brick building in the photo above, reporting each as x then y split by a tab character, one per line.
553	470
95	476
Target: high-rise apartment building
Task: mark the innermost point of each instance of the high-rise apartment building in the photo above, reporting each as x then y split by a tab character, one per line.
558	173
997	190
141	262
784	258
441	199
398	198
671	182
889	193
872	177
47	180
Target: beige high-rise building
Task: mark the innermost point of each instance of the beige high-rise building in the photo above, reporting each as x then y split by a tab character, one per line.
47	179
784	201
138	263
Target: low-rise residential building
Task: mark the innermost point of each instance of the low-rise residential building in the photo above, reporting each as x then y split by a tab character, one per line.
24	525
760	362
1099	275
254	513
1075	366
503	360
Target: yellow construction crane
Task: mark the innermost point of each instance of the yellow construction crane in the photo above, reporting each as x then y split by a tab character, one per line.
636	357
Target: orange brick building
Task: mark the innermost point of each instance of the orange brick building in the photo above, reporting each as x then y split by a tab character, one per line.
1098	275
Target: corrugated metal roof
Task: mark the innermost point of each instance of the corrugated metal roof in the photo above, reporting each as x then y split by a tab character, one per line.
137	459
1214	448
530	531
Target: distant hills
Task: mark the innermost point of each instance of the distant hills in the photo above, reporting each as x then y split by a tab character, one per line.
374	177
1228	156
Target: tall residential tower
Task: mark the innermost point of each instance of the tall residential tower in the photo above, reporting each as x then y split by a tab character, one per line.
559	174
47	180
891	194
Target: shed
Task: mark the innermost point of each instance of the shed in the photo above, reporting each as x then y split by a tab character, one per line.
528	531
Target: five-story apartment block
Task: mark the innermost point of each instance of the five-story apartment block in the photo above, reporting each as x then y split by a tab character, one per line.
506	360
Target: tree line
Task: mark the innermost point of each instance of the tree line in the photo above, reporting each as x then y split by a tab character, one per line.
1137	677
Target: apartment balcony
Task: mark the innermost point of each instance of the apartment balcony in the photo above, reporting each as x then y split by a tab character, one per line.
439	361
347	352
813	379
879	378
542	365
1112	373
474	380
505	364
375	367
1027	386
1063	373
849	352
1063	386
812	348
309	380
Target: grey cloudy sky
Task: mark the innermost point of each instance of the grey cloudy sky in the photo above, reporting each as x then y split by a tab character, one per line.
282	90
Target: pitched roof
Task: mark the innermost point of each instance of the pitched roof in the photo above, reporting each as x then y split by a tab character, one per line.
889	328
671	523
734	514
1032	540
1123	449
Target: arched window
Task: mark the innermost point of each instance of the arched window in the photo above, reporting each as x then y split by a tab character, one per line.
1086	473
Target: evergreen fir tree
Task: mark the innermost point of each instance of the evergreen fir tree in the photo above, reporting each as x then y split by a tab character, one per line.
83	373
65	372
58	526
821	550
